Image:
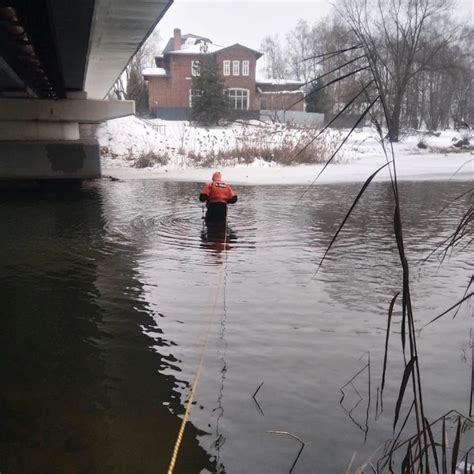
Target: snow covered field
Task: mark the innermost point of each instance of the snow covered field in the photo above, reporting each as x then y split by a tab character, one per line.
122	140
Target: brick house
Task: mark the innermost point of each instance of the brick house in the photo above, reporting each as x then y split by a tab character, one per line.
170	82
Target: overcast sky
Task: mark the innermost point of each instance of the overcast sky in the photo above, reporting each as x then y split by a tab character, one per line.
227	22
239	21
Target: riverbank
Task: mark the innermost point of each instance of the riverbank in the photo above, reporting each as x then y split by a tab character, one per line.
177	151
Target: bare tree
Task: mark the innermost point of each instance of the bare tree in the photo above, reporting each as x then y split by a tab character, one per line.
276	65
399	41
333	35
131	85
301	45
441	88
303	49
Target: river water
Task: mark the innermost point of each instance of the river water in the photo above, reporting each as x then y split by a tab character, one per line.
110	293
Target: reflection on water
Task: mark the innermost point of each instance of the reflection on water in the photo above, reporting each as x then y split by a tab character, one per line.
217	237
81	389
108	294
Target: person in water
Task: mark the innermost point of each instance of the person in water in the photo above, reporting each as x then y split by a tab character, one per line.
217	195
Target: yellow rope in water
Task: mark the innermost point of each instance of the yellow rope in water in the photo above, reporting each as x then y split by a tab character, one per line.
187	412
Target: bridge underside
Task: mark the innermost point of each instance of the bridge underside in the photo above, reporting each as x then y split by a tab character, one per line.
44	46
64	53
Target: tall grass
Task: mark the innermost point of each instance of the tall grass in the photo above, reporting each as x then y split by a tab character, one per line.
277	144
421	452
237	143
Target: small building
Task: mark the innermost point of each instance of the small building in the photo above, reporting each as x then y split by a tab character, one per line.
170	92
280	94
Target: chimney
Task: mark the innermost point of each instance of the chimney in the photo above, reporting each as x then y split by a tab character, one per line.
177	39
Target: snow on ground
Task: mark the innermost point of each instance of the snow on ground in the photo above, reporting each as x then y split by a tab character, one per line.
124	139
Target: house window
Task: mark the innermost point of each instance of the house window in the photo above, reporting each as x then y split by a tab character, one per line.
193	93
195	67
235	68
226	68
245	68
238	98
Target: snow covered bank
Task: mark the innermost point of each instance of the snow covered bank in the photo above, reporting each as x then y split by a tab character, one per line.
176	143
131	142
408	168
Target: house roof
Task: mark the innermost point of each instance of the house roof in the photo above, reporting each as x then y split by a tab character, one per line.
185	39
279	82
297	91
197	49
154	72
257	53
192	44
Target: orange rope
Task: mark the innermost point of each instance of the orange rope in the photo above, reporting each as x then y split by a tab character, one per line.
187	411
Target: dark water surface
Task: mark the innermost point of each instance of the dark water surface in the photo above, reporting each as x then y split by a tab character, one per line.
107	295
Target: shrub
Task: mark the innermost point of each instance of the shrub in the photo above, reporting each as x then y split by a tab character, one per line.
148	159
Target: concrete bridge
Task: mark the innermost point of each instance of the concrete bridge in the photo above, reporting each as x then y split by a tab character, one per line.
58	60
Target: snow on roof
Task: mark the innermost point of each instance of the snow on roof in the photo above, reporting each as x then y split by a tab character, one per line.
191	41
192	48
154	71
192	44
192	35
279	82
298	91
188	40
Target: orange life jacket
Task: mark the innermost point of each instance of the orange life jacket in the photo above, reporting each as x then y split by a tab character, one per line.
217	191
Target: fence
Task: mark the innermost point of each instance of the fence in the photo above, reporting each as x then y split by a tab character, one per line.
293	117
310	118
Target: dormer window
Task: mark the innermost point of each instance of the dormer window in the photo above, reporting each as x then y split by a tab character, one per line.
226	68
245	68
195	67
235	68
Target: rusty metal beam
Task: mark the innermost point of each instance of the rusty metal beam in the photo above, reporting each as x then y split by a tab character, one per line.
27	45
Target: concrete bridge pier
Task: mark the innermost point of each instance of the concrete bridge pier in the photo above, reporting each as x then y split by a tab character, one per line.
54	139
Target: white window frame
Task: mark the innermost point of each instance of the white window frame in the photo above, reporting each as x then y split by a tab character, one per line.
245	68
236	67
226	67
235	99
195	67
